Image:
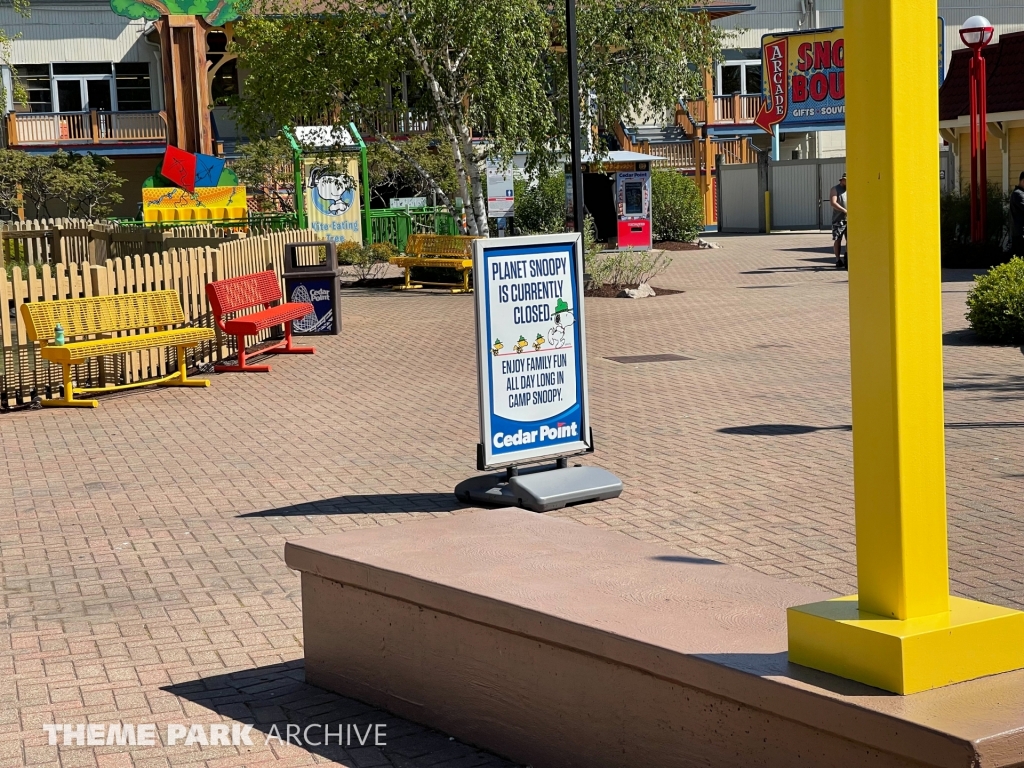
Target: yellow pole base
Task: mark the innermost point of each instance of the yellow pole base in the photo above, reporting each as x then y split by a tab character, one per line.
185	383
70	403
972	640
412	287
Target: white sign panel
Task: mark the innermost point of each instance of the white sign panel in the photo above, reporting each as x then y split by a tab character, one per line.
320	136
407	202
531	347
500	192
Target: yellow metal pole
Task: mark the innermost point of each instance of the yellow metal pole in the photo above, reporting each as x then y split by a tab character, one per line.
903	632
896	312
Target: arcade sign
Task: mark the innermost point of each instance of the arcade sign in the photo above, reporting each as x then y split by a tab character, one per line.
804	80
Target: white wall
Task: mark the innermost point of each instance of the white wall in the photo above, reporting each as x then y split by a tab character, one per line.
777	16
785	15
74	32
832	143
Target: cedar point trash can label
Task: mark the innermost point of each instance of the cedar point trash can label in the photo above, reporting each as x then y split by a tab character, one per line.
531	348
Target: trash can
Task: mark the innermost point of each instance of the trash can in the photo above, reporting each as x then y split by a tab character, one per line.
311	274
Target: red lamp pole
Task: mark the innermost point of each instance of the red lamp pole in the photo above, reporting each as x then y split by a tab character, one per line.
977	33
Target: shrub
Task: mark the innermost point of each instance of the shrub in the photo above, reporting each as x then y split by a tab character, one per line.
347	251
591	246
540	209
369	261
955	230
677	209
622	268
996	304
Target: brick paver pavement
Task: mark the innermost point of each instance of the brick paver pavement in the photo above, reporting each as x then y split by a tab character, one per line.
141	544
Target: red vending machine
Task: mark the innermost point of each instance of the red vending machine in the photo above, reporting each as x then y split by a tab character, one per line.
633	207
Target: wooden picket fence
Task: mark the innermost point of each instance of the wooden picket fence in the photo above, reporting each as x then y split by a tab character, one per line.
49	241
24	375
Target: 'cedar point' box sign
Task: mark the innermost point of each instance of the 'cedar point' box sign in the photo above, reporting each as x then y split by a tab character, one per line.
804	80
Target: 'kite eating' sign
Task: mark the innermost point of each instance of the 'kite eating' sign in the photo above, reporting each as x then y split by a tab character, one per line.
531	348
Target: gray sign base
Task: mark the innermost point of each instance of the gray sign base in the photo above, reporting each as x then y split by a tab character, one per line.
542	489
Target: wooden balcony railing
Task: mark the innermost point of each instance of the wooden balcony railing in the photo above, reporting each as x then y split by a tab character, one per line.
736	109
95	127
677	154
399	122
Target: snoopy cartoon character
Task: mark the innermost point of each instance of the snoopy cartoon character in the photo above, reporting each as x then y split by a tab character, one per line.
564	320
333	192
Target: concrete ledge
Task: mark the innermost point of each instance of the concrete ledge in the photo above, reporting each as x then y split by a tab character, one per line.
558	644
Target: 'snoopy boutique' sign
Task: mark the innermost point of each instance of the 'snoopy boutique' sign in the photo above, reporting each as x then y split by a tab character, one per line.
531	348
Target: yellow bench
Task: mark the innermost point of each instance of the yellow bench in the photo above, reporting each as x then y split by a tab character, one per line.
437	251
102	316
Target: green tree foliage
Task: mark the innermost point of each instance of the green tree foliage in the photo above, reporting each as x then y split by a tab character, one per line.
540	207
214	12
6	41
266	168
394	165
85	184
14	167
677	210
492	68
995	305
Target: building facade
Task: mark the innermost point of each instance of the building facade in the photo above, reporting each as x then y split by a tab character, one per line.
94	81
1004	162
740	70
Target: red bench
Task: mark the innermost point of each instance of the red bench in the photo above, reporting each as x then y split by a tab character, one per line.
238	293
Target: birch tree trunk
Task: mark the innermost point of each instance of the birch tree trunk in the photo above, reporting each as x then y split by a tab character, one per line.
445	112
476	170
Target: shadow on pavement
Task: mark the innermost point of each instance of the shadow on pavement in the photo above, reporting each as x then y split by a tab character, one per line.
964	337
816	249
961	275
822	264
381	503
781	430
1002	387
778	430
686	559
273	697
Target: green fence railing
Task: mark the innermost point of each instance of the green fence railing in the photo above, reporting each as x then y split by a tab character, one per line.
394	225
256	223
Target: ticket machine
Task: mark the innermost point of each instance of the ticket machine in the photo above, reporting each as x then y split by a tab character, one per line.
633	208
617	195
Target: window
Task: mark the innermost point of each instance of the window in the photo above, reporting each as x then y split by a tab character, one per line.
81	69
730	79
36	80
739	77
133	87
752	85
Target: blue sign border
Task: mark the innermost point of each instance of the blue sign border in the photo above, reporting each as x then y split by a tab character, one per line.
491	423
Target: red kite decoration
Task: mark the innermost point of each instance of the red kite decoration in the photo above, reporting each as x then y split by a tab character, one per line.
179	167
